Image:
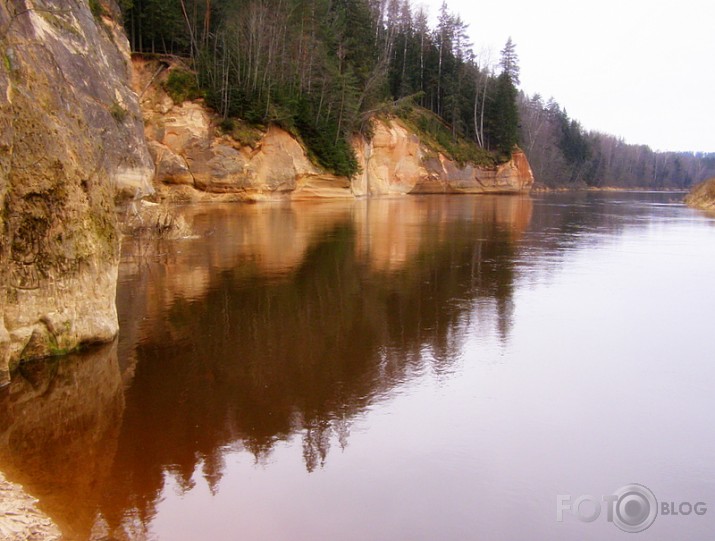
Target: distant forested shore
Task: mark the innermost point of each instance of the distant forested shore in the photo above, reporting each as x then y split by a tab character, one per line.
322	69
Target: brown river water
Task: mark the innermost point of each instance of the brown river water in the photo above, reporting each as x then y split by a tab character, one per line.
422	368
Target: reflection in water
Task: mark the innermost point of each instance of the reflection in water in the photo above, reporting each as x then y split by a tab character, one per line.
59	431
301	334
277	322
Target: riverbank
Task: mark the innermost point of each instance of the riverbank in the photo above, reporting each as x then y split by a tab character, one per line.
20	519
199	155
702	196
541	188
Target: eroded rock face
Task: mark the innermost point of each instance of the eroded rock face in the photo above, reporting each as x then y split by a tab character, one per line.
396	162
188	150
391	163
71	139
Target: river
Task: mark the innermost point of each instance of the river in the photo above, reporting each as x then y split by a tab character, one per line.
420	368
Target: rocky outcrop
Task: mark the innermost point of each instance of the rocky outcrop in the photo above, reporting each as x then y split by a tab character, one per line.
702	196
394	161
20	519
71	139
189	150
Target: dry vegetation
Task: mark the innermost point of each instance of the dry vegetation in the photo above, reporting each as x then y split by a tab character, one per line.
702	196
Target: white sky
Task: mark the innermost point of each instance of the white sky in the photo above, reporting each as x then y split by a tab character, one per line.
644	71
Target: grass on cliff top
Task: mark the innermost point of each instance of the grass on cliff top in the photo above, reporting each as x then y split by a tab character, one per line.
436	135
242	131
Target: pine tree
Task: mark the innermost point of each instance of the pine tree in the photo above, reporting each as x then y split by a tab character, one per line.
504	117
509	62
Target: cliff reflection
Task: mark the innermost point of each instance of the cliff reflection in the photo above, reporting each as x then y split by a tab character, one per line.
276	322
59	429
300	334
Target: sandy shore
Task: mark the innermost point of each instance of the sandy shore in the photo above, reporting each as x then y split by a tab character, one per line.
20	519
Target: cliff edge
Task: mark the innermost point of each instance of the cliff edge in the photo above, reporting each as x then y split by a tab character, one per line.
71	139
396	161
193	150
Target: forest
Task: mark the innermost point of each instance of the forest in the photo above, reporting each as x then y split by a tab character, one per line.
562	153
322	69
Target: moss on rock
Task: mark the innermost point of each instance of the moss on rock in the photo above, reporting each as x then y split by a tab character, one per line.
71	139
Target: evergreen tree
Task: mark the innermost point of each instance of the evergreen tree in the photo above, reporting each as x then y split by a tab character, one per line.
509	62
322	67
503	120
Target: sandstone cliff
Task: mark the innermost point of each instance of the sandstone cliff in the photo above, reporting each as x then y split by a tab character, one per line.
190	151
702	196
71	139
394	161
72	136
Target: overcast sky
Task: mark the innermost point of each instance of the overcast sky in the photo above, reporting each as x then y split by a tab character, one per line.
644	71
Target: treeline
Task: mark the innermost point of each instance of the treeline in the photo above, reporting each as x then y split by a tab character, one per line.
322	68
562	153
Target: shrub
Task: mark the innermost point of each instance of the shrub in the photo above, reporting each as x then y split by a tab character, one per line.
702	195
227	125
181	85
437	136
153	220
96	8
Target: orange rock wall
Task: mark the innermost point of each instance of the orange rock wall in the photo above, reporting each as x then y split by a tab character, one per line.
189	150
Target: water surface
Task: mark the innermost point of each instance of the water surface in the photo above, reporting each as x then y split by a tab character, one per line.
414	368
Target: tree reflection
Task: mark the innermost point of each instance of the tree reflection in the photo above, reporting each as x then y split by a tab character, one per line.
316	443
259	357
231	343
